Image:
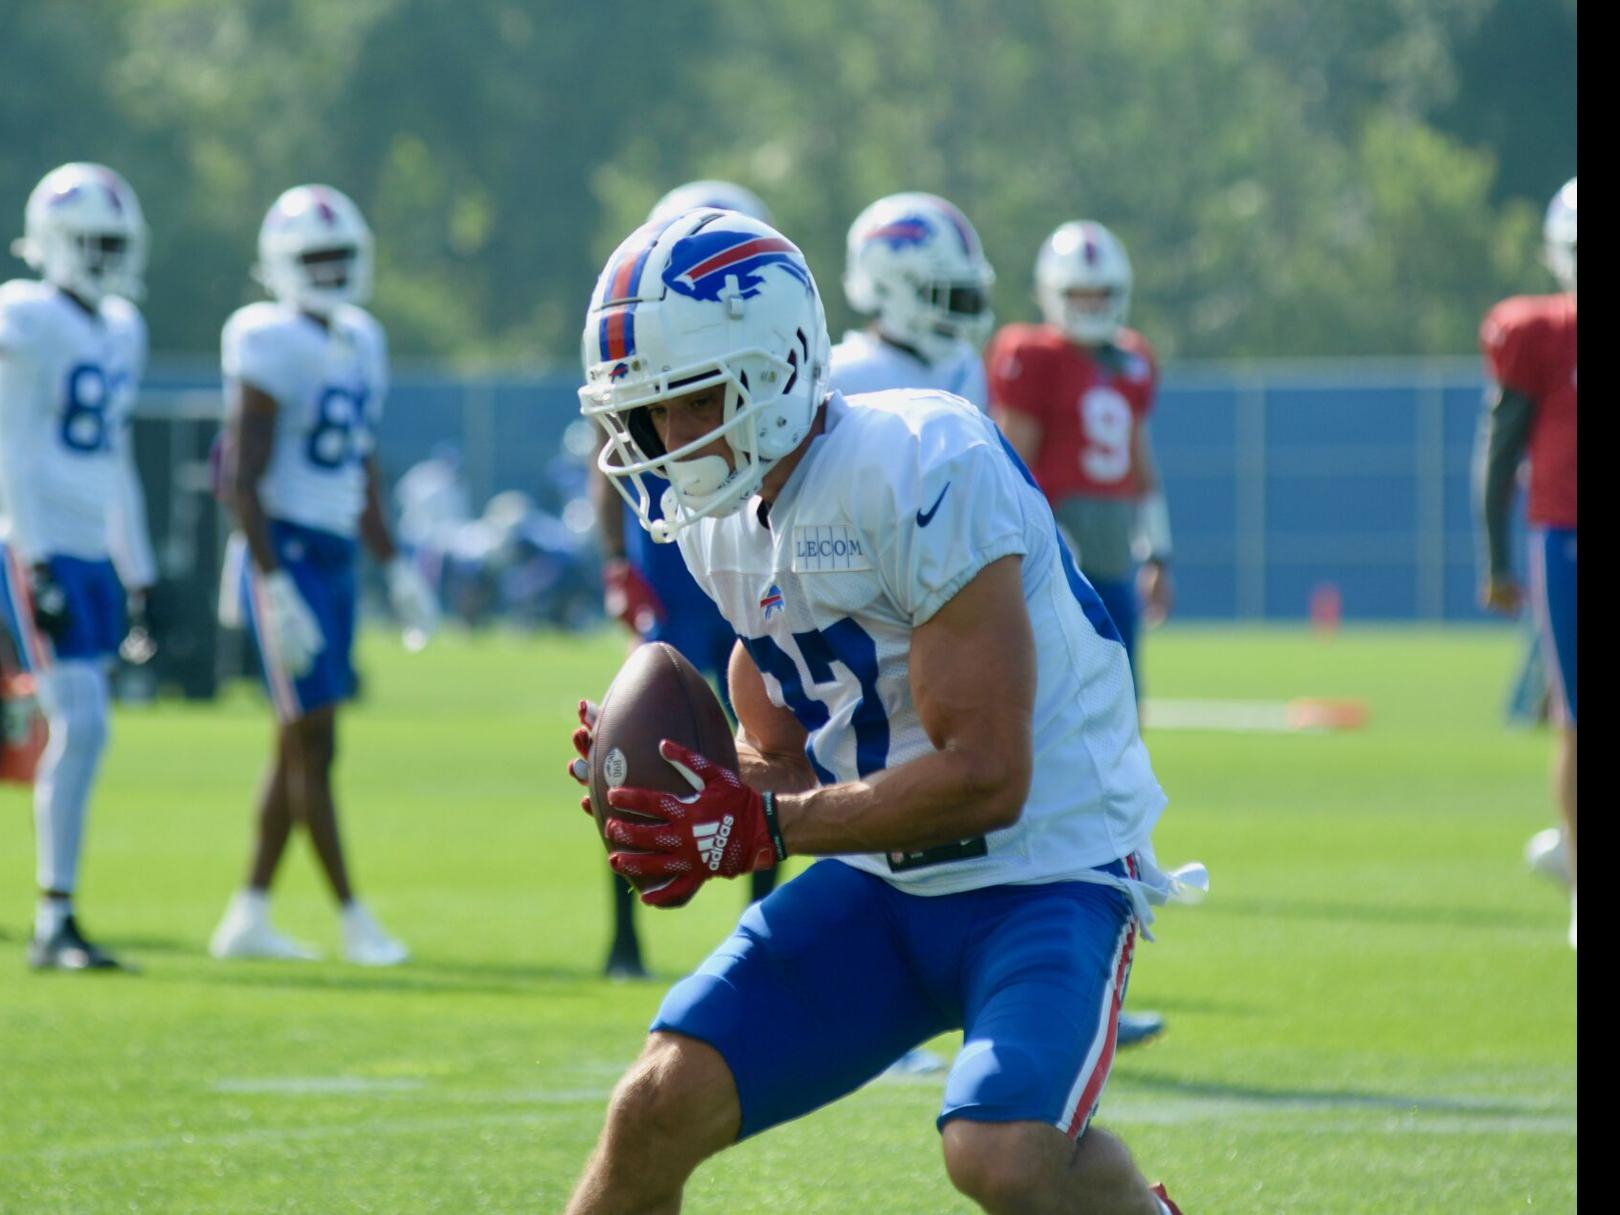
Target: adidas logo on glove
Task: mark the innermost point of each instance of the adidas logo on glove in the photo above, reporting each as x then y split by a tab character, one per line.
711	841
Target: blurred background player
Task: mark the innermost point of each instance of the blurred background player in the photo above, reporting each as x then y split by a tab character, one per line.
72	349
914	265
1529	347
647	587
1073	396
305	380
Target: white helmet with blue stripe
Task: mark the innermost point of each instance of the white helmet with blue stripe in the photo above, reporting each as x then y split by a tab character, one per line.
1559	231
915	263
83	231
706	298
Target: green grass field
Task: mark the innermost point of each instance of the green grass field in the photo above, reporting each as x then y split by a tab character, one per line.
1373	1012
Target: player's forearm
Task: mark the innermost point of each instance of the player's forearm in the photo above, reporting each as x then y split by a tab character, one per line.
128	537
374	532
938	798
254	525
1504	435
774	772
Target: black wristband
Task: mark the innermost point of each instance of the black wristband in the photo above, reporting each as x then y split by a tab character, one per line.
769	800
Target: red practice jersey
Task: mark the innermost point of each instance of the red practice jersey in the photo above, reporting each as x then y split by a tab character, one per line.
1089	404
1529	345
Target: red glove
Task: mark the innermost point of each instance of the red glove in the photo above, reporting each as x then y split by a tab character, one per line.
582	739
629	597
723	830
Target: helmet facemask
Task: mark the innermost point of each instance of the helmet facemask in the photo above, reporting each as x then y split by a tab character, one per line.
763	392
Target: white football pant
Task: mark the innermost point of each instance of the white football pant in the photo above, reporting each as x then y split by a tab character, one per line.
73	695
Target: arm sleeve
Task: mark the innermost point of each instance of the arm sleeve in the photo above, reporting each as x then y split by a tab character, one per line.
1504	434
936	523
19	425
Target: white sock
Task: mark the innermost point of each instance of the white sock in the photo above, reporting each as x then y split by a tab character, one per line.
49	915
73	695
255	904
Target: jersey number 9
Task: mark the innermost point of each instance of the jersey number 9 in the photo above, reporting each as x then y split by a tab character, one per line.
1105	420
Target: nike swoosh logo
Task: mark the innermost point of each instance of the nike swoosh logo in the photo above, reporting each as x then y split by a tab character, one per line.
924	518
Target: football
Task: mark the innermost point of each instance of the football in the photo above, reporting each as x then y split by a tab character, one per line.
657	694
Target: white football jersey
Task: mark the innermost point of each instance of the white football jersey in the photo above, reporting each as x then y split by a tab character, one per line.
898	505
863	363
68	385
329	385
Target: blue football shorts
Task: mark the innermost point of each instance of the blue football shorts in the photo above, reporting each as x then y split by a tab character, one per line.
95	610
838	973
1552	600
323	568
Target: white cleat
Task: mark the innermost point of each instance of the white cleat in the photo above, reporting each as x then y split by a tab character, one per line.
243	934
1546	855
365	943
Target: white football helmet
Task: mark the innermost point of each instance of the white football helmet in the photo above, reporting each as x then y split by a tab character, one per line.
1083	256
723	195
915	262
315	250
1559	231
83	231
708	297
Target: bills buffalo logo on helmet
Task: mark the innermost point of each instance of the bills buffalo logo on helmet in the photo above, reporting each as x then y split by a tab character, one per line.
702	264
905	231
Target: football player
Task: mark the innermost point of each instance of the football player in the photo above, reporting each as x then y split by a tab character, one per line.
896	582
647	587
305	378
915	262
78	562
1529	347
1073	396
914	265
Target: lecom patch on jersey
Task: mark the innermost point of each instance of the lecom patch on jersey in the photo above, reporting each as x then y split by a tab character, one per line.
818	550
